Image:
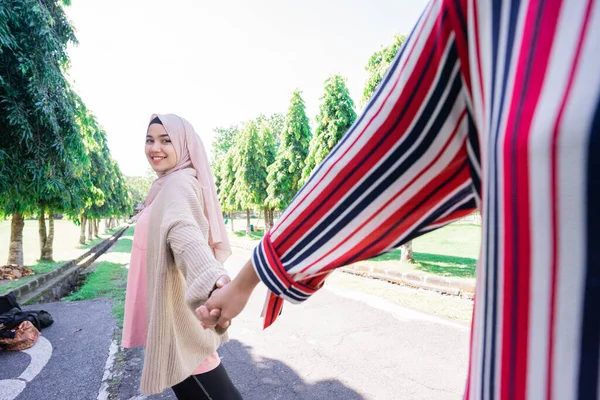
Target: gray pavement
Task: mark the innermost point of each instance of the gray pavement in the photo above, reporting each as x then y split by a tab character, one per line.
338	345
68	361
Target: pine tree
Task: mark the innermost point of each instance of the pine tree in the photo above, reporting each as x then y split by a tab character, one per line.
285	173
248	169
336	116
270	131
378	65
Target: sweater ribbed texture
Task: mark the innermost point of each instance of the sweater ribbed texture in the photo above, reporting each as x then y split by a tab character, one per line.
181	272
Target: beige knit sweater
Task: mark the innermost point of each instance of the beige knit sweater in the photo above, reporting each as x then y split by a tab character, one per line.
181	272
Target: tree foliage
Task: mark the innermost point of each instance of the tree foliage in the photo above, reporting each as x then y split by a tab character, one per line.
378	65
139	186
41	148
270	129
247	163
336	116
285	173
46	149
223	151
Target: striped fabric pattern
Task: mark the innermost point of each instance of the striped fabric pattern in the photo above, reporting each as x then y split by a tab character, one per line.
489	105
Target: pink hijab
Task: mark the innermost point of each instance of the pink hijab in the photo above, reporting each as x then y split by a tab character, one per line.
192	159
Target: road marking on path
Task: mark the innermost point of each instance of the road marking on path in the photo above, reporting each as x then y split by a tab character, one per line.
400	313
39	354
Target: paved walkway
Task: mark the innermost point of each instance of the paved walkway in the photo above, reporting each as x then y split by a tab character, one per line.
338	345
68	361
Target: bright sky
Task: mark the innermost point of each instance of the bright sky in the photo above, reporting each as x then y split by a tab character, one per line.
219	62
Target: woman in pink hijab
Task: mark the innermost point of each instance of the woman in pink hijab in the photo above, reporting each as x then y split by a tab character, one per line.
179	247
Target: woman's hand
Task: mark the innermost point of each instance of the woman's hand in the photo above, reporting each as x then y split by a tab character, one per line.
222	281
216	313
226	303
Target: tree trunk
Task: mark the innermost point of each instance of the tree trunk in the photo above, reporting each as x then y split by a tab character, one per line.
42	232
96	228
45	244
407	252
106	228
15	252
82	232
90	229
271	218
247	221
266	218
49	251
231	216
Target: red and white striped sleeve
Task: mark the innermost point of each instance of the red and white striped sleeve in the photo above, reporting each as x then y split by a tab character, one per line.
404	168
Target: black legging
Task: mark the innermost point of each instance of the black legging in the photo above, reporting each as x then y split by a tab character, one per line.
212	385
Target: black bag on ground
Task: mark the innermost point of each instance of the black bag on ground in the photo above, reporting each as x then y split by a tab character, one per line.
12	319
8	302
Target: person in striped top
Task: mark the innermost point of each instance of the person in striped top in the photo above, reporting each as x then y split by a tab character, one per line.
489	105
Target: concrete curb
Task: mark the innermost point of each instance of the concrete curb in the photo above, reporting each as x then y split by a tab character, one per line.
38	283
456	287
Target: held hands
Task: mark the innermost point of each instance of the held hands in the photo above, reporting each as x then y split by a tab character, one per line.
228	300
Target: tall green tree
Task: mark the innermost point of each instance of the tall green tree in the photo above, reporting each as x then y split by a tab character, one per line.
378	65
226	180
248	167
336	116
109	195
41	148
224	139
222	162
285	173
70	178
270	129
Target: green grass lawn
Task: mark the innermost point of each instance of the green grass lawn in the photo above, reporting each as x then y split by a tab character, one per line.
66	238
66	241
66	247
451	251
109	279
256	235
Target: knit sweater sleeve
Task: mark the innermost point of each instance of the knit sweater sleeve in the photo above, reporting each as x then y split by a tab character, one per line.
187	238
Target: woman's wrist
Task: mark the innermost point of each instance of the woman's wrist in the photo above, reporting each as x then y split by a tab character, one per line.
247	279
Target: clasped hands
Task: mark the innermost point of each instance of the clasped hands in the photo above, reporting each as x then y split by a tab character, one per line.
228	299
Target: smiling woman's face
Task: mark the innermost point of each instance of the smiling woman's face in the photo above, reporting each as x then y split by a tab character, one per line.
159	149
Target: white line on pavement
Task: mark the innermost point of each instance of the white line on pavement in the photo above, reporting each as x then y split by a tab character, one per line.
39	355
11	388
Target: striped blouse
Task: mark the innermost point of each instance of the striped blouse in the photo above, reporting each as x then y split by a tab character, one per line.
491	105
